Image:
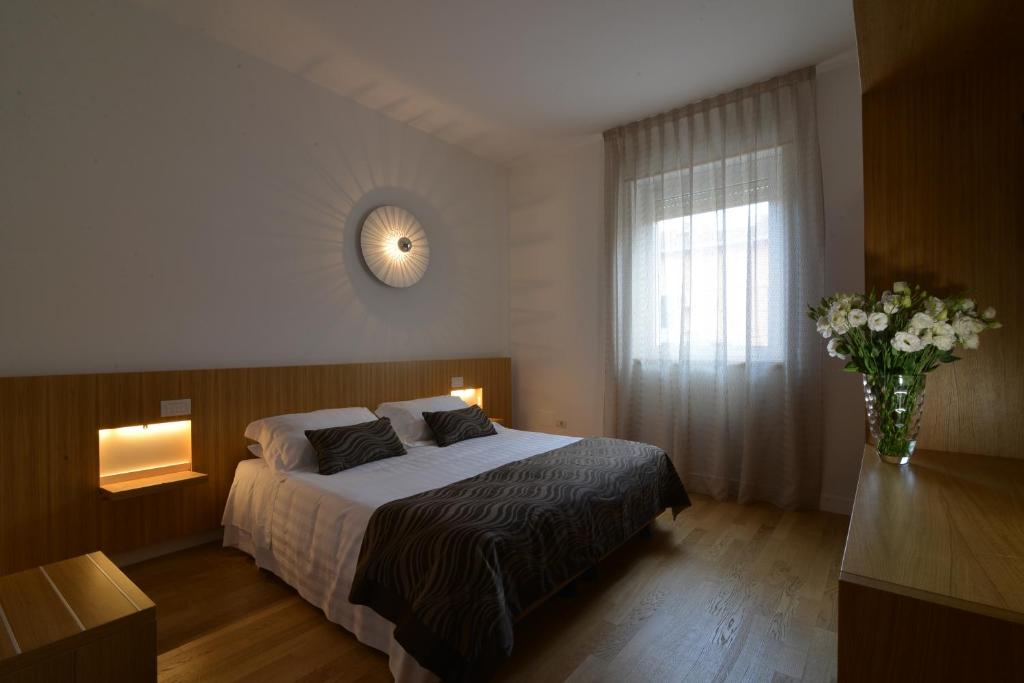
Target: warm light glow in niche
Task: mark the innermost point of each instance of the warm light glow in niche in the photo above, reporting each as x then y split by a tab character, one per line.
141	450
472	396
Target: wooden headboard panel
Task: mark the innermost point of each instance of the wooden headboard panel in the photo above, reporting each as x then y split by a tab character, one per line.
50	504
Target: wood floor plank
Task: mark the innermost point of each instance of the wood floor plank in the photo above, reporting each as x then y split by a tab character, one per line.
820	666
725	592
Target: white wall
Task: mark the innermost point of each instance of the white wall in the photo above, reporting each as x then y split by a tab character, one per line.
169	202
557	258
556	254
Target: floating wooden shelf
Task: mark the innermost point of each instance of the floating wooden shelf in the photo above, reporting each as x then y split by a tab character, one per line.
143	485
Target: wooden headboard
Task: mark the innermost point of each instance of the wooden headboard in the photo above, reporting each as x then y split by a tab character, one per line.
50	503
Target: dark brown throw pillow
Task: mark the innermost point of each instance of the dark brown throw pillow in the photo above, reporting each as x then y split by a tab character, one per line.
452	426
342	448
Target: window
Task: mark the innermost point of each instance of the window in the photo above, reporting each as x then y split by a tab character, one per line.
713	276
715	260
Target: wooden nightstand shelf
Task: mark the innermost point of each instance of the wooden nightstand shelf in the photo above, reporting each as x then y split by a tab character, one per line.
76	620
130	488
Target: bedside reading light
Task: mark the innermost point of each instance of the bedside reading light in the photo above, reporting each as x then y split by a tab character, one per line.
133	459
472	396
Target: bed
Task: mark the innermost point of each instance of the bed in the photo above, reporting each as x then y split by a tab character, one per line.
309	529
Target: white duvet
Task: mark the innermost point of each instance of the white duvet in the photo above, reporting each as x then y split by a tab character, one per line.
307	528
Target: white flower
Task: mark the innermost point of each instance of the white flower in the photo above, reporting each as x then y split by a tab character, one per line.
966	326
935	337
971	342
824	328
961	326
967	305
857	317
890	303
878	321
833	349
907	342
935	307
839	322
921	321
900	287
838	309
989	314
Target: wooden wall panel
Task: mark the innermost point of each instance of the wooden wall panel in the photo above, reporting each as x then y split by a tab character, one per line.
50	505
943	126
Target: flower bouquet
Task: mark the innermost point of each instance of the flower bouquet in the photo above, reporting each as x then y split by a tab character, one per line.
894	340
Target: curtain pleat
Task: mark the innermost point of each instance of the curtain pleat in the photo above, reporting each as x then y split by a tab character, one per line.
715	236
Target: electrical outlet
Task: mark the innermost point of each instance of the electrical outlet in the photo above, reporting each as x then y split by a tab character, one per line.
562	423
180	406
457	383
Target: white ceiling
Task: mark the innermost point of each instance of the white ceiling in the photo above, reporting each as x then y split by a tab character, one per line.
508	78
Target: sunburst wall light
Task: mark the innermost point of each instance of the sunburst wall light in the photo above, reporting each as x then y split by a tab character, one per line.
394	246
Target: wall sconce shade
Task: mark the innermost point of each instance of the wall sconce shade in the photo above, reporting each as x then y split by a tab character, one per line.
473	396
395	247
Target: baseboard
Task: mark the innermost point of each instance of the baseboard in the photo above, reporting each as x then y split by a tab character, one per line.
130	557
837	504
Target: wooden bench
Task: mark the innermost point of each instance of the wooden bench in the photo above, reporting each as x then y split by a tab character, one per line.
76	620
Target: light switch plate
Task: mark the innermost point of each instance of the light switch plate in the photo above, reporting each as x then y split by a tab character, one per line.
179	406
457	383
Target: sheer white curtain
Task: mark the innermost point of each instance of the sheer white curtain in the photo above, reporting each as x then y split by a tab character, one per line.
716	242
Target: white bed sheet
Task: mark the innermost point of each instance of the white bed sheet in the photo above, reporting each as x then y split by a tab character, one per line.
308	528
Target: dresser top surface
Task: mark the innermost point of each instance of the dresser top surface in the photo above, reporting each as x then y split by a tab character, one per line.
947	528
62	603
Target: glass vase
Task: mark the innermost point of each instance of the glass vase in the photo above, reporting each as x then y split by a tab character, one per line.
894	405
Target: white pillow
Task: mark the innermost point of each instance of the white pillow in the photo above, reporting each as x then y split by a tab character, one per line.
283	437
256	449
407	417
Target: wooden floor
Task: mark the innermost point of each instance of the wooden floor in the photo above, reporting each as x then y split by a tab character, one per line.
724	593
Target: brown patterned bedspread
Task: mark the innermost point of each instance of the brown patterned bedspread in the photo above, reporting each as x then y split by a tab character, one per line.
454	568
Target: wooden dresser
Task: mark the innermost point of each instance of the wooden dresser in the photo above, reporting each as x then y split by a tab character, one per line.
75	620
932	580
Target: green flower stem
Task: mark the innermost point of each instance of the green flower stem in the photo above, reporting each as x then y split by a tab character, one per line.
896	411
